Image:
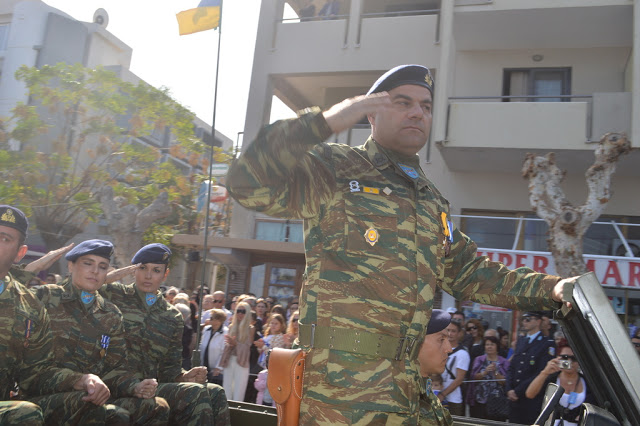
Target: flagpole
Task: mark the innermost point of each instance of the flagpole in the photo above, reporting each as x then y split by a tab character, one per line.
195	358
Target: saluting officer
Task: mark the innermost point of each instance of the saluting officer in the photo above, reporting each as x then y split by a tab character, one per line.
378	240
154	334
89	338
531	355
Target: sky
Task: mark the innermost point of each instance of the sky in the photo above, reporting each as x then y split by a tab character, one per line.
185	64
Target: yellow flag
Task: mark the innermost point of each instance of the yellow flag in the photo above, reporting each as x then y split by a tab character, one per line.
204	17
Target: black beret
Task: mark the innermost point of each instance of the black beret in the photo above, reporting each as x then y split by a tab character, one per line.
100	248
152	253
401	75
13	218
439	321
536	314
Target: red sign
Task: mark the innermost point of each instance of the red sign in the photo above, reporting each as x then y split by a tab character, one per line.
612	271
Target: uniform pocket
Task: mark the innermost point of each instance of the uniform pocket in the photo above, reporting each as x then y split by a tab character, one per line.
372	226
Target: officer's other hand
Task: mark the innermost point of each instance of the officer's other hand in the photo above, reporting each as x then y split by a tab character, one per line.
146	389
196	374
512	395
346	114
119	274
558	290
47	260
97	392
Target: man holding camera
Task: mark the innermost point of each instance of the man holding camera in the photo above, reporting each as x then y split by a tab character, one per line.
531	355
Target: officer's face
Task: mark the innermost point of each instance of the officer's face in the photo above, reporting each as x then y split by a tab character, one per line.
149	276
11	251
404	125
531	323
434	353
89	272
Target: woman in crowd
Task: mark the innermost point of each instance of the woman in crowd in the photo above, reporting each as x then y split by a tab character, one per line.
492	369
476	330
235	359
563	370
293	328
273	337
212	345
261	311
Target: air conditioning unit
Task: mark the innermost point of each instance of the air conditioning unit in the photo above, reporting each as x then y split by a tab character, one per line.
618	249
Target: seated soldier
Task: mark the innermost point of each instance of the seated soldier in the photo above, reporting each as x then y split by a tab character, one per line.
154	334
432	358
89	336
26	355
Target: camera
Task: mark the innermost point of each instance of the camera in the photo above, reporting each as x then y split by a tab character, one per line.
565	364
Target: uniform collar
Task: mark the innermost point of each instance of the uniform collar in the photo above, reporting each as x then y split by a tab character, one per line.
382	158
71	292
533	337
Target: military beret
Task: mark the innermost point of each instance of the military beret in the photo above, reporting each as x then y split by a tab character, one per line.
100	248
439	321
401	75
152	253
13	218
536	314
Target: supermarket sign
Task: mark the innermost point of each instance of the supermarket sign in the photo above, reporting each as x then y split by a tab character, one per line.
611	271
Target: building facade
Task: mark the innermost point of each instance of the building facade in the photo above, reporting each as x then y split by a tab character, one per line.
512	77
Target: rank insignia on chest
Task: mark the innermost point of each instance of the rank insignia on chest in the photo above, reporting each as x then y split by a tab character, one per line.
354	186
28	326
409	171
370	190
104	344
87	297
371	236
151	298
532	362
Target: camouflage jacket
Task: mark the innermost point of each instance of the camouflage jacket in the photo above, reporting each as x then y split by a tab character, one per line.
375	251
154	333
26	356
80	333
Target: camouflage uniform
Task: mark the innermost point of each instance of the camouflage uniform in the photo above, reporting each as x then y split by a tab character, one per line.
154	339
375	250
26	357
78	330
20	413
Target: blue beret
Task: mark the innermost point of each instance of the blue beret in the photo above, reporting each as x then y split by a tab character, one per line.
152	253
401	75
439	321
100	248
13	218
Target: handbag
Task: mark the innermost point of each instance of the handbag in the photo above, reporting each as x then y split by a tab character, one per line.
284	381
498	404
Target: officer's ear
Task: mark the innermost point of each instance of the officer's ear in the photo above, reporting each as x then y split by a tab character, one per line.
371	118
21	252
166	272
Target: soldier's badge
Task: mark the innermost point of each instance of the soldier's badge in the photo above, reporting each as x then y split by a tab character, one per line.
371	236
409	171
387	190
552	351
151	299
370	190
2	287
87	297
354	186
104	344
533	361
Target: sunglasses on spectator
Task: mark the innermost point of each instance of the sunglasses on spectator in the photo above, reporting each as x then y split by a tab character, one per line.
527	319
218	301
241	311
571	357
296	320
472	328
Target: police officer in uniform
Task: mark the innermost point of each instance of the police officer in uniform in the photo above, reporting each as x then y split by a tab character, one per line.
531	355
378	240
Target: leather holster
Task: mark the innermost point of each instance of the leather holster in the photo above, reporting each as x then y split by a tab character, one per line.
284	381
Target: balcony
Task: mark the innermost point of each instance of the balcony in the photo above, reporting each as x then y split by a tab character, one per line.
484	134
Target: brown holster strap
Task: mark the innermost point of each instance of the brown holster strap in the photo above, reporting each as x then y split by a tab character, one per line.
358	342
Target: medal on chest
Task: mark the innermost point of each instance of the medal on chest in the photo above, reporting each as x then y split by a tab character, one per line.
447	228
104	344
28	326
371	236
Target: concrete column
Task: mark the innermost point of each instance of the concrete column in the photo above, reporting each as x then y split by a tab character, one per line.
444	72
635	78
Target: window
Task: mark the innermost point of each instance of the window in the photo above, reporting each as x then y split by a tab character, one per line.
537	82
287	231
4	37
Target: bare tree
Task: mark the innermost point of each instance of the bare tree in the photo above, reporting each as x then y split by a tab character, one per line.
568	223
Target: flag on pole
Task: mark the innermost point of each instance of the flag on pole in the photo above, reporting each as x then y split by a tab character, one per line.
204	17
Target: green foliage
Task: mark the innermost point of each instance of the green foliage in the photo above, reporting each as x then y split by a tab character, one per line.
81	134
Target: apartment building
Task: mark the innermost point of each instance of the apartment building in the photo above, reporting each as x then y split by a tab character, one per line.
33	33
512	77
